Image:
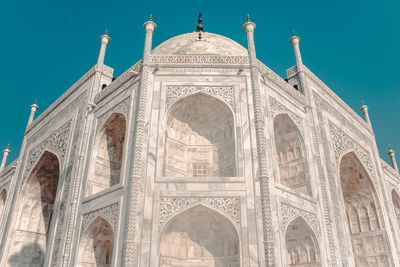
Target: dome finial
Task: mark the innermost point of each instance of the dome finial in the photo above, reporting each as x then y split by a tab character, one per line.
200	27
248	18
293	33
151	17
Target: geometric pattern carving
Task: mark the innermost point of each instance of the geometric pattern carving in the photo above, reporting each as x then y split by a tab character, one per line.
199	59
56	141
223	92
109	213
122	107
277	107
171	205
290	212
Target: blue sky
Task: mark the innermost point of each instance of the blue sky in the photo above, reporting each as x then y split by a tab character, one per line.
353	46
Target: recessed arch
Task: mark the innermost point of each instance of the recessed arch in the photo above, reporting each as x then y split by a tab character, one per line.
36	202
3	198
107	155
291	155
302	247
199	138
96	245
369	239
199	236
396	205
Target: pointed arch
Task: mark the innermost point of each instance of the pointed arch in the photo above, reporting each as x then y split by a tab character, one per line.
302	247
291	154
107	155
199	235
96	245
396	205
37	200
370	243
3	198
199	138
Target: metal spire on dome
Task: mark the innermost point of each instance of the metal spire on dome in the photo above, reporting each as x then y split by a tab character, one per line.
200	27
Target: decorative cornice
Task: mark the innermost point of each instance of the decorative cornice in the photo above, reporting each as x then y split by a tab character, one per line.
200	59
225	93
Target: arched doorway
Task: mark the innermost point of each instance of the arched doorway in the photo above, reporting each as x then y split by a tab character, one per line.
396	205
200	138
108	152
199	237
369	239
3	198
291	155
96	245
301	245
38	196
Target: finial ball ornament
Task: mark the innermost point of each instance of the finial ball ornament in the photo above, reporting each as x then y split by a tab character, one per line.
249	26
150	25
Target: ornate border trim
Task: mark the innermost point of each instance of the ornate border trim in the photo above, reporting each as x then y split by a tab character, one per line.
176	92
122	107
199	59
108	213
289	213
171	205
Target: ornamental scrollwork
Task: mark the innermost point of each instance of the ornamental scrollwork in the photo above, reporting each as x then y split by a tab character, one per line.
175	92
109	213
199	59
289	213
57	141
122	107
228	205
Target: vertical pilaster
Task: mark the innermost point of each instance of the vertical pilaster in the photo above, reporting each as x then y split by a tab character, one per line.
34	108
6	152
269	239
136	180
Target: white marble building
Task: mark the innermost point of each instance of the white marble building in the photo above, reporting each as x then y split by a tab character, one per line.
199	155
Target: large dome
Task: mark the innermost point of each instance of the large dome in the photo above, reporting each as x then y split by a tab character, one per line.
211	44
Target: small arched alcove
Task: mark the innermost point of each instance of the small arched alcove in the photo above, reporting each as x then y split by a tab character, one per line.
96	245
369	239
199	237
3	198
302	247
200	138
37	203
396	205
108	152
291	155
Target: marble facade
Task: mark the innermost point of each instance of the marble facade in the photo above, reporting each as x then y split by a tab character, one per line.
199	155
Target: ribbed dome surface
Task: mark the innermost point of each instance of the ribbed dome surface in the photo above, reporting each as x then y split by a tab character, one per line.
210	44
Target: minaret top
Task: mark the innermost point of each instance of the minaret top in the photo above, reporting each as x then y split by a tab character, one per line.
150	25
7	150
105	38
249	26
294	39
391	151
363	105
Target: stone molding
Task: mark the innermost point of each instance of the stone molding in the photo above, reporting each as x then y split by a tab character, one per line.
122	107
57	142
108	213
171	205
176	92
278	108
289	213
199	59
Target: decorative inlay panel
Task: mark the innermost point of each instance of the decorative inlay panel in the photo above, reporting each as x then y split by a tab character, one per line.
290	212
171	205
109	213
223	92
277	108
56	141
122	107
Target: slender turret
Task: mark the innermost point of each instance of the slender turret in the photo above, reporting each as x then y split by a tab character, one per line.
34	108
6	152
295	40
105	39
364	109
392	155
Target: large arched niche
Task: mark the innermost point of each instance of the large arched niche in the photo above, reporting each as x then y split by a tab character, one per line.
291	155
302	247
96	245
37	200
396	205
369	239
3	198
199	237
200	138
108	153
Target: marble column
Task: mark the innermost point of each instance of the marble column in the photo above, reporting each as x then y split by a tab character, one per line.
295	40
364	109
6	152
269	242
130	253
392	156
105	39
